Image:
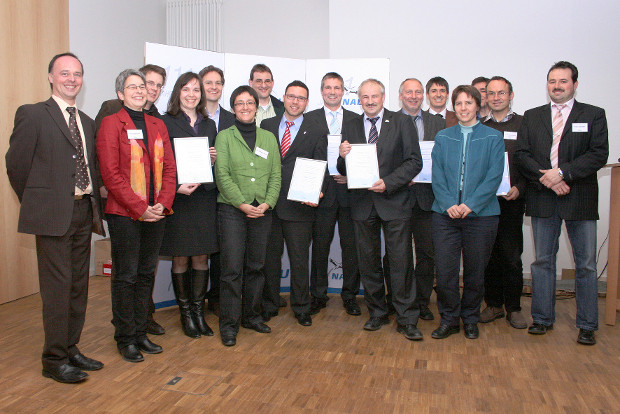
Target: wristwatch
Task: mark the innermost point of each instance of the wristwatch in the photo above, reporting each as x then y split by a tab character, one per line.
560	173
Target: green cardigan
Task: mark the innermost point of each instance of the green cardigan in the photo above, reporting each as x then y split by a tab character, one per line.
241	175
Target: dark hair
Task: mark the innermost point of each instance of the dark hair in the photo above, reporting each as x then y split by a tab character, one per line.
437	80
241	89
55	58
565	65
154	68
174	104
209	69
501	78
331	75
469	91
260	67
297	83
480	79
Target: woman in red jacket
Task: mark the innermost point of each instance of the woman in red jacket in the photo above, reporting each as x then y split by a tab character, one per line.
138	170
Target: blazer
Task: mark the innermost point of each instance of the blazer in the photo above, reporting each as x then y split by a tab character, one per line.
278	106
451	119
310	142
41	169
112	106
580	156
398	153
227	119
335	194
114	152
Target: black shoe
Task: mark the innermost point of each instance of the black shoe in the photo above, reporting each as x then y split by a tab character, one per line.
65	373
282	303
145	345
268	315
426	314
131	353
411	332
258	327
304	319
351	306
471	330
84	363
539	329
317	305
154	328
375	323
586	337
445	331
229	339
391	309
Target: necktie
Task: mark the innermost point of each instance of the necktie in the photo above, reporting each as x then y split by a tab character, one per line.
81	172
286	139
334	128
419	126
373	136
558	127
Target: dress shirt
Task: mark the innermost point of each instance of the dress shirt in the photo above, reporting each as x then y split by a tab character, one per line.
418	121
294	129
215	118
339	116
507	118
442	113
565	112
264	112
368	124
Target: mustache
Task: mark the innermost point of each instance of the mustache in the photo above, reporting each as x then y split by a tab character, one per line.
558	90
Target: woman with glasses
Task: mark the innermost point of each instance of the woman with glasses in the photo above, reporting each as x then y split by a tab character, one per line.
138	169
248	174
191	232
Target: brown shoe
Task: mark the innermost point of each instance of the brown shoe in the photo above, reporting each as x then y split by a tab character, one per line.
490	313
516	320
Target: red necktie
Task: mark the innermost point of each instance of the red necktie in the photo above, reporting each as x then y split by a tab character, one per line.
286	139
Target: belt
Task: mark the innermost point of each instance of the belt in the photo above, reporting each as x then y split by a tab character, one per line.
80	197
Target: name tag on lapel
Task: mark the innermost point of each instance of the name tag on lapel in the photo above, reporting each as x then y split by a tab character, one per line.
134	134
580	127
510	135
261	152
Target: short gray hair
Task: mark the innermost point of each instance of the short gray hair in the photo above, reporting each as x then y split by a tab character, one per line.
371	80
122	77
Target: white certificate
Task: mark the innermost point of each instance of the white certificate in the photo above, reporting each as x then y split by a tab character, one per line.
426	175
362	166
307	180
193	160
504	187
333	148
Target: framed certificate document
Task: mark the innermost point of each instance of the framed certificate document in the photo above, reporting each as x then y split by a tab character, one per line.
504	187
193	160
307	180
426	175
362	166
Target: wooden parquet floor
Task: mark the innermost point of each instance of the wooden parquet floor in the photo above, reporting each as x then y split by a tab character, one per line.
332	367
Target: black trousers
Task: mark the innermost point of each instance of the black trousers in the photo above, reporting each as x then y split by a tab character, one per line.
298	236
322	235
243	243
215	274
503	278
135	252
63	263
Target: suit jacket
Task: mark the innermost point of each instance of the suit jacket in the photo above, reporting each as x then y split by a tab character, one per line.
451	119
114	152
310	142
422	193
278	106
227	119
41	172
335	194
398	153
580	156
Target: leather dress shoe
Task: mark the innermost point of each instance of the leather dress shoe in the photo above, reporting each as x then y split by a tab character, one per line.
490	313
282	303
258	327
65	373
586	337
410	331
268	315
229	339
131	353
539	329
445	331
154	328
426	314
84	363
516	320
351	306
375	323
304	319
471	330
145	345
317	305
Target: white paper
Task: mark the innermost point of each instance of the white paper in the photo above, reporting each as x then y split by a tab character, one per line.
505	186
307	180
333	148
362	166
510	135
193	160
580	127
425	176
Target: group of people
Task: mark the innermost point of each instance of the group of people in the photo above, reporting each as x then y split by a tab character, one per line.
230	233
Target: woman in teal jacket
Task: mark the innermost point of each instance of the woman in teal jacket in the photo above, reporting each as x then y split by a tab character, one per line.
248	177
468	164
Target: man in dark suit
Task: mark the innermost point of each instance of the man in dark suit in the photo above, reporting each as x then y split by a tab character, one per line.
333	206
292	220
437	92
385	206
51	163
261	80
560	148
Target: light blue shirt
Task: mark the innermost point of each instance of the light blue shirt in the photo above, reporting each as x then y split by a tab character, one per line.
466	131
216	118
294	129
418	121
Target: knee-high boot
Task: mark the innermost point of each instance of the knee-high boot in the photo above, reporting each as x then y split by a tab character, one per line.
181	284
197	306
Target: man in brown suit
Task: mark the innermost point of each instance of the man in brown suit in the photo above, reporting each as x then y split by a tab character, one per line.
437	92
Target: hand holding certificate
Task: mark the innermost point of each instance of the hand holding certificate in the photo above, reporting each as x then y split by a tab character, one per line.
362	166
193	160
307	180
504	187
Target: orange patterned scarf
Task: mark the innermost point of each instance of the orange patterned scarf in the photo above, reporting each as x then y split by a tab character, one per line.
138	176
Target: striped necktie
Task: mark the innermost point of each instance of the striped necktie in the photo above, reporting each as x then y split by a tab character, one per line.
286	139
558	127
334	128
373	136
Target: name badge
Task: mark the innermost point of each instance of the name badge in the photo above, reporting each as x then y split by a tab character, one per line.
510	135
134	134
261	152
581	127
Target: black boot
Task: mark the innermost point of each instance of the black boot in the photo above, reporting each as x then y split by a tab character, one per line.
197	306
181	284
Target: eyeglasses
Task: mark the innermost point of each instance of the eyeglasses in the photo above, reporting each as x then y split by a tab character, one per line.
296	98
152	84
248	103
501	94
134	87
211	83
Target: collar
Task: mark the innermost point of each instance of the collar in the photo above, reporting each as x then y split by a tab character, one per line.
507	118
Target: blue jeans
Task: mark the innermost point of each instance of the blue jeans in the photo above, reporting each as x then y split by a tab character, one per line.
582	235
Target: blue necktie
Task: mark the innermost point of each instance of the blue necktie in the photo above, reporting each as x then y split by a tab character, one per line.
373	136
